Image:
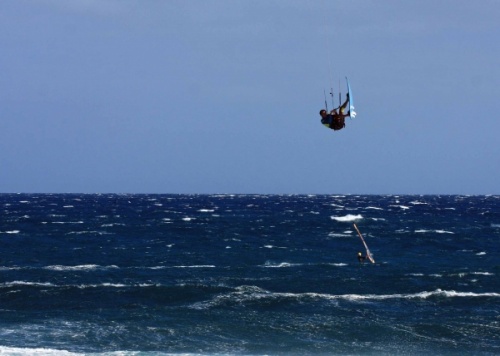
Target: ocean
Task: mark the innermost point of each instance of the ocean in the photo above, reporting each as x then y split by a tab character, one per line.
126	274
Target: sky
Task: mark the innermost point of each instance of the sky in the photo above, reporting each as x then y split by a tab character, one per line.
223	96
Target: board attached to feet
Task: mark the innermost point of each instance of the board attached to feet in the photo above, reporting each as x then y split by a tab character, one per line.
352	112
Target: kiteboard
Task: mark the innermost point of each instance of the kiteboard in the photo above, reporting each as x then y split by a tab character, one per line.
368	254
352	112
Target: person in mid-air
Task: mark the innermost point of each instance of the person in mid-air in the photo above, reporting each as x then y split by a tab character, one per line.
335	120
361	258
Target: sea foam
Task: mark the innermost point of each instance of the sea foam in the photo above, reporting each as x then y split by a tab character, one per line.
347	218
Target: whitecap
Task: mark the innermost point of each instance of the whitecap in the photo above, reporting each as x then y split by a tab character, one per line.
423	231
25	283
33	351
67	222
416	202
91	232
481	253
280	265
420	295
347	218
11	232
251	293
483	273
272	246
404	207
333	234
337	206
91	267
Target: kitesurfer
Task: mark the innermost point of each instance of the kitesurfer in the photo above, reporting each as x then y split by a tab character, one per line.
335	120
361	258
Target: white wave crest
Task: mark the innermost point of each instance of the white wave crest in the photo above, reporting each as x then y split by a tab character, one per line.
280	265
4	350
404	207
416	202
347	218
333	234
423	231
67	222
244	294
60	268
25	283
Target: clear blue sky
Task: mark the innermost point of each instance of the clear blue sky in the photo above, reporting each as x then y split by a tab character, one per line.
222	96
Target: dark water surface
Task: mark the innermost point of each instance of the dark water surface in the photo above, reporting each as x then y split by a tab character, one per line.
249	274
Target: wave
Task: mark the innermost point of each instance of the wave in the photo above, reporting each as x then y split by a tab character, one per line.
40	351
347	218
67	222
251	294
404	207
91	267
337	264
35	351
423	231
272	246
420	295
195	266
79	286
345	234
280	265
10	232
91	232
25	283
416	202
461	275
80	268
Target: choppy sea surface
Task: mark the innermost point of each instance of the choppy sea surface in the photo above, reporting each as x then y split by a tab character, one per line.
248	274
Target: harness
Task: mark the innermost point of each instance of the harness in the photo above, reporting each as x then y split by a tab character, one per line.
333	122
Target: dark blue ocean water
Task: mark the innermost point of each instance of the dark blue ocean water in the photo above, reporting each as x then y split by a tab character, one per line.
249	274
